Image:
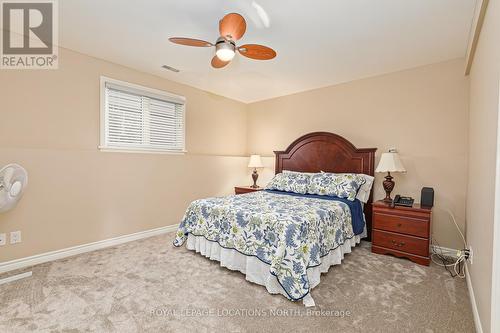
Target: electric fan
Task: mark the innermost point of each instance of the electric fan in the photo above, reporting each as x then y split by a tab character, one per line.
13	181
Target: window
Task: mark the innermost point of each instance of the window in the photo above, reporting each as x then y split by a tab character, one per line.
136	118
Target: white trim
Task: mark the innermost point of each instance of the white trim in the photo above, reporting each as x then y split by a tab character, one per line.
184	127
155	93
474	33
16	277
475	312
71	251
495	269
102	111
140	151
495	278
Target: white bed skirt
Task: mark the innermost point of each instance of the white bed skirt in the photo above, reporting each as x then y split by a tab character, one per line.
257	271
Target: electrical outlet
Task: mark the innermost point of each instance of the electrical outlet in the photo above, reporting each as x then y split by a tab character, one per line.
15	237
3	239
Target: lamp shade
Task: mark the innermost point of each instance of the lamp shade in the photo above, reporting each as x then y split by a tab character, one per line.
255	162
390	162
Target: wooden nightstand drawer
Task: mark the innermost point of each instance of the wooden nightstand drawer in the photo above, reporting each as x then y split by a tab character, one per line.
400	242
405	225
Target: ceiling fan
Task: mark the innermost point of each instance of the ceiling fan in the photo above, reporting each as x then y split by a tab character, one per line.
232	27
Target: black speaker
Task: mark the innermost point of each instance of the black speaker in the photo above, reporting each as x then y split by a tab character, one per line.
427	197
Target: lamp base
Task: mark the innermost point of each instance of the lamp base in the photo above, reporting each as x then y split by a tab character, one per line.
388	184
255	176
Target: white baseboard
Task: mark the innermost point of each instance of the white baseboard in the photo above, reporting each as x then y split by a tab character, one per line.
475	312
16	277
71	251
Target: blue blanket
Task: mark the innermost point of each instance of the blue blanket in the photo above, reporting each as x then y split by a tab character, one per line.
358	220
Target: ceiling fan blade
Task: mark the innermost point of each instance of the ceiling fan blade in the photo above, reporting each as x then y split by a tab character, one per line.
232	26
190	42
217	63
257	52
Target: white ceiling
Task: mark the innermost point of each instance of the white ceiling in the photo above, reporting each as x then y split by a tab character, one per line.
319	43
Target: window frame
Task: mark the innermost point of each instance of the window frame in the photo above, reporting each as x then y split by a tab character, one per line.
144	91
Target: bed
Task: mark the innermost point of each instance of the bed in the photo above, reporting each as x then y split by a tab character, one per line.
283	240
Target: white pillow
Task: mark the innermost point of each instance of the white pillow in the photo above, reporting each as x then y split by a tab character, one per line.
364	191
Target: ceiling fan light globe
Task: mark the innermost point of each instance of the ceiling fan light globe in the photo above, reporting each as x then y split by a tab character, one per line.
225	54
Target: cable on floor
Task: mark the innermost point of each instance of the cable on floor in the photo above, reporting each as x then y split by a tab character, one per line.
447	262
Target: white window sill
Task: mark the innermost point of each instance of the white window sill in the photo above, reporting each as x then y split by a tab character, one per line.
139	151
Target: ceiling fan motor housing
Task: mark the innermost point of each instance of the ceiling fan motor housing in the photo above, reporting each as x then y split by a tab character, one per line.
223	43
225	49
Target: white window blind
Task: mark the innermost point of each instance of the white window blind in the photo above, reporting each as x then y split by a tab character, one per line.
142	119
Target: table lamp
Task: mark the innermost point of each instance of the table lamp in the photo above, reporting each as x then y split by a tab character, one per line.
389	162
255	162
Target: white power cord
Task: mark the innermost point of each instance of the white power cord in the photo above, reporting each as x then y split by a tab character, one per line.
456	265
456	225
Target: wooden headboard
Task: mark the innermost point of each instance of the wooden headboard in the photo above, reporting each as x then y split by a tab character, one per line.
328	152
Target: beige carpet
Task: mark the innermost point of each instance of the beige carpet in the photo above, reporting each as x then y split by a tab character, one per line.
150	286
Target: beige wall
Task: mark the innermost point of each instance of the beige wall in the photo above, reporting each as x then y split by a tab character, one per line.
77	194
422	112
484	100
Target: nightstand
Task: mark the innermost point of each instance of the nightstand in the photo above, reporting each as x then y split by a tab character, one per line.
246	189
402	231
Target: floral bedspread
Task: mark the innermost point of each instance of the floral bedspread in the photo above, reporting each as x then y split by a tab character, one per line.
290	233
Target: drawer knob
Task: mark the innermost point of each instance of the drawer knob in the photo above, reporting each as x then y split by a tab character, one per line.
400	224
400	244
